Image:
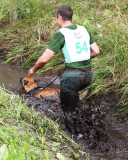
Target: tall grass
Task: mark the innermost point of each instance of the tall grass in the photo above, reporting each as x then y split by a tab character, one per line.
111	68
14	10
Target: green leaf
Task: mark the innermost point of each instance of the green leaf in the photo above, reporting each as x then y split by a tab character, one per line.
3	152
59	156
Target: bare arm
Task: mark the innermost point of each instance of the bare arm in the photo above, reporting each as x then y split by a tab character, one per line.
46	56
94	50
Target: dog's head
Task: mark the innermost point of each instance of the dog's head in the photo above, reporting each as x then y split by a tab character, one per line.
28	83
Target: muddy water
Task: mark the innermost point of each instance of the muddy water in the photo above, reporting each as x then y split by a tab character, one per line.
10	77
101	136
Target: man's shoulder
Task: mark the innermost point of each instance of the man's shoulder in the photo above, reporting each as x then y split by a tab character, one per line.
57	35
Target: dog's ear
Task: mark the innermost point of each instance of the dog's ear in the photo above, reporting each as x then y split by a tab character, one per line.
25	82
35	80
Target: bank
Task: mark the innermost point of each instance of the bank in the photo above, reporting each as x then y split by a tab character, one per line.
25	134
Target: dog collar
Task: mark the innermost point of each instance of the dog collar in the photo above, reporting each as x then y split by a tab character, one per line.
35	90
27	90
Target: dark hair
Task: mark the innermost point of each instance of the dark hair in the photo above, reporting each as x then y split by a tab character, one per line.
66	12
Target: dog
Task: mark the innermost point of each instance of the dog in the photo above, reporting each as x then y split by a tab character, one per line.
31	87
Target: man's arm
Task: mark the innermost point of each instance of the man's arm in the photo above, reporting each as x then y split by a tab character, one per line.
46	56
94	50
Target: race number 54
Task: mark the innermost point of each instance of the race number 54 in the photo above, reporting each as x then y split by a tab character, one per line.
81	47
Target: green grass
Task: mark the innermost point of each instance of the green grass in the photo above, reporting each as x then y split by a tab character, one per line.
26	135
34	25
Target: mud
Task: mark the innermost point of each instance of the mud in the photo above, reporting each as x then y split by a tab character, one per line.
101	135
96	130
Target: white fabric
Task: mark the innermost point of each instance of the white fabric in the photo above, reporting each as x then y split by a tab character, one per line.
77	44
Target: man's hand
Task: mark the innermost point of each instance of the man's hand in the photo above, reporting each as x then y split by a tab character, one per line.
31	72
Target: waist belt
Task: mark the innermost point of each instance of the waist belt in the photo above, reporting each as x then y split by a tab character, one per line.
78	70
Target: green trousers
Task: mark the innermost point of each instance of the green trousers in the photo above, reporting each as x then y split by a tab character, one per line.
70	85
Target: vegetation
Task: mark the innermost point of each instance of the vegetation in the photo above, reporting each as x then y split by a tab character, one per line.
26	135
26	26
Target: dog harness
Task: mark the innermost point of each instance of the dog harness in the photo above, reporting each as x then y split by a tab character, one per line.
35	90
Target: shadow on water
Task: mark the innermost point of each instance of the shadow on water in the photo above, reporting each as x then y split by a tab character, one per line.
101	136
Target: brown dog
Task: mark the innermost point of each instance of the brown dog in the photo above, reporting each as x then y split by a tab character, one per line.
30	86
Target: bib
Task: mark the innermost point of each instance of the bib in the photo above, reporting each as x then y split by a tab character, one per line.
77	44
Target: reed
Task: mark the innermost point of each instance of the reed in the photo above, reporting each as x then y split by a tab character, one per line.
111	68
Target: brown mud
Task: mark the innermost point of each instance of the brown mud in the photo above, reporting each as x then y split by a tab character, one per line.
100	134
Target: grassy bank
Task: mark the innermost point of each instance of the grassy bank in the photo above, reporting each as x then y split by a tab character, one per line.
27	26
26	135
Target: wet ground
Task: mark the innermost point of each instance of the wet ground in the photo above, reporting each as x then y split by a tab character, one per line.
101	135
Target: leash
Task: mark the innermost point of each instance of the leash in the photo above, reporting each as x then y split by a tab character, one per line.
52	81
39	88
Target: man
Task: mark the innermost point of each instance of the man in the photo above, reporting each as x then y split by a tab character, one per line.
78	47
